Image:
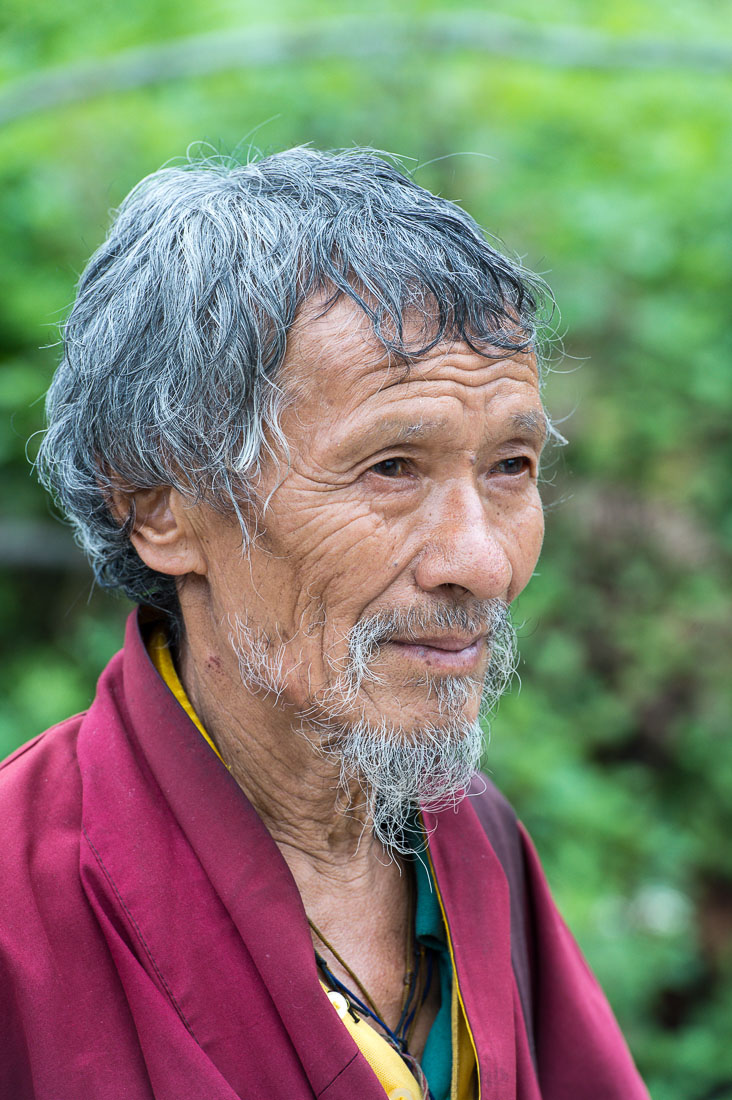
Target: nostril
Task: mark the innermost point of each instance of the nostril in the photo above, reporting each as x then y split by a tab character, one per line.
455	590
481	571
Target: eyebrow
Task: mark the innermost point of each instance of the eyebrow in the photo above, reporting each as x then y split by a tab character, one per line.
401	432
530	425
533	424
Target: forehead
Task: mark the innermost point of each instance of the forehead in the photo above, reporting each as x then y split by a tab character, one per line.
335	351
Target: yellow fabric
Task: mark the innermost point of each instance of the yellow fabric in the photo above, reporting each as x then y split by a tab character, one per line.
159	651
392	1072
464	1076
464	1084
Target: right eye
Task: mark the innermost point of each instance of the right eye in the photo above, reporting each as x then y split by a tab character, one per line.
390	467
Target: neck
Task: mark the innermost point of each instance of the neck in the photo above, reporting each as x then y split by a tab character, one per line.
320	829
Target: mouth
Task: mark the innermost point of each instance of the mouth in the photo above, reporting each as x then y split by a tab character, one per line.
451	654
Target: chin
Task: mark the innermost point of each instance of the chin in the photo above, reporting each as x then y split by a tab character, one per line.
446	702
412	711
391	764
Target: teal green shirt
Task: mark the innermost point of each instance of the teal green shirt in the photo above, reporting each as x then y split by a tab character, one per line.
430	930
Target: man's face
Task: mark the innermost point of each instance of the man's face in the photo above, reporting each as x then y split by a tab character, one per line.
410	495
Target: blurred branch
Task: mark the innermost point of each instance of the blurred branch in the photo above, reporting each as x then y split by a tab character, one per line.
353	39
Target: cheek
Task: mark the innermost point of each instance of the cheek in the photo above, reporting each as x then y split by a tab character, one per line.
526	537
337	553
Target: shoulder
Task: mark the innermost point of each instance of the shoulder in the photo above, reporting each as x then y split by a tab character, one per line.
40	792
40	772
41	782
41	896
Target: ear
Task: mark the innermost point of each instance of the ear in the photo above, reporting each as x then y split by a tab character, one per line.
164	529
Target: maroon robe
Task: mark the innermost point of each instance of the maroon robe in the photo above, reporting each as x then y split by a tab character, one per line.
153	942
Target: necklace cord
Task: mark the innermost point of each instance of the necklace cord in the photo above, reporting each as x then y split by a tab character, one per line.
418	980
361	988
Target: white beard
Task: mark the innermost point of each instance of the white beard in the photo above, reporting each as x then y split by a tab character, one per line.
397	770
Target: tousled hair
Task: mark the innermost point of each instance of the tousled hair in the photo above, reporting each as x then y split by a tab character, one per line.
172	350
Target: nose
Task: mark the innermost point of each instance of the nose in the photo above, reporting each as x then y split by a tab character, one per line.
464	550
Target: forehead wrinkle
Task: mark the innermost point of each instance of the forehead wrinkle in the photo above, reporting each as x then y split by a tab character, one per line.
312	356
393	430
341	325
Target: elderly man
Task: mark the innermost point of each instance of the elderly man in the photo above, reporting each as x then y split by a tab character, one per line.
298	420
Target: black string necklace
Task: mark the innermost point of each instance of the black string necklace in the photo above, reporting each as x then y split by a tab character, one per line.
417	983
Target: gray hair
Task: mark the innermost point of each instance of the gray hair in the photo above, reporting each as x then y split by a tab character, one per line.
172	350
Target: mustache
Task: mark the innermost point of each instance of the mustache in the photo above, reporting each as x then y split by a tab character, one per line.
359	665
488	617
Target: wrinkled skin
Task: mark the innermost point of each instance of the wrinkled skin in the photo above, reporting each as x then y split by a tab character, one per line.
403	490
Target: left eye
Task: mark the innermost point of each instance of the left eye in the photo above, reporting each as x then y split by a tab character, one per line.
512	466
390	467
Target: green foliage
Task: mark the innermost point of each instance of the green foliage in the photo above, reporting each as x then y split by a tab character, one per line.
617	181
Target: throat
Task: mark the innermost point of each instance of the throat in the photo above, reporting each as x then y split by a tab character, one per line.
367	950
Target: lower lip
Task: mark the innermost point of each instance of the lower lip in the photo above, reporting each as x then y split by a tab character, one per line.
444	660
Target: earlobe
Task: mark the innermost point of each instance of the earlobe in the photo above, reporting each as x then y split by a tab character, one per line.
163	532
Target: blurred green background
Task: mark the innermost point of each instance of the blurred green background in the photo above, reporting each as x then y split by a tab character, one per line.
595	140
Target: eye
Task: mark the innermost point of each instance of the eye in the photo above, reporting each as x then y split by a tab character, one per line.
512	467
390	467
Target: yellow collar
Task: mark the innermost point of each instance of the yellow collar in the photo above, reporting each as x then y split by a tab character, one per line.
161	657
